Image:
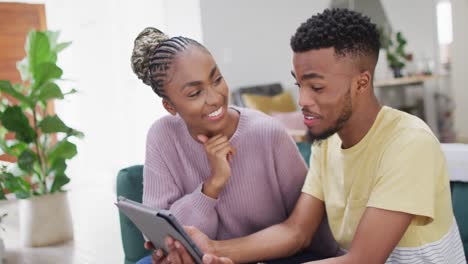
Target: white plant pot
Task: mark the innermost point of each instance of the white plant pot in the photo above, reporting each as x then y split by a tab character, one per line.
45	220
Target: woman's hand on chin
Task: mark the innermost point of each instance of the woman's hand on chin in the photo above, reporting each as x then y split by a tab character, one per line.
219	152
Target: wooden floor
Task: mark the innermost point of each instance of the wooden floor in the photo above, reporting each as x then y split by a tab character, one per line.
96	229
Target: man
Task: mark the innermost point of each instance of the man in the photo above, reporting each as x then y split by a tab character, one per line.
378	173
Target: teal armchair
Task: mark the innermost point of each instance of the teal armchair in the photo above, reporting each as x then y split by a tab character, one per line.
460	209
130	185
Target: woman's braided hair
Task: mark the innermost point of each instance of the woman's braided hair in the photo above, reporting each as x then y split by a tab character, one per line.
153	53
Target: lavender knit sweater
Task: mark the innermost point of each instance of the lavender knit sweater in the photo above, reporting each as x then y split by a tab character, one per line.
267	176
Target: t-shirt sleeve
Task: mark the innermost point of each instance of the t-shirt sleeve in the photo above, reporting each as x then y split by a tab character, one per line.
313	182
407	176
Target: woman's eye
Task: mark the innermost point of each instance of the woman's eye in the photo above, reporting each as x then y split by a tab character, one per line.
297	84
194	93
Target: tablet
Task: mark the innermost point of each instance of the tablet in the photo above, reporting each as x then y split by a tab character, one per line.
156	225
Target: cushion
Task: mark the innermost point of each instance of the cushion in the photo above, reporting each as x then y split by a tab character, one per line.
282	102
290	120
270	89
457	161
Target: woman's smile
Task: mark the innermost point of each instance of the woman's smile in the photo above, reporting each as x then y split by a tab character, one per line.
217	114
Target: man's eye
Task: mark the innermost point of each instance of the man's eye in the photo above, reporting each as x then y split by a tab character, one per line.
317	88
194	94
218	80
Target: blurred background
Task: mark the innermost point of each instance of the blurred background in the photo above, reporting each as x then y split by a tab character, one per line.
250	41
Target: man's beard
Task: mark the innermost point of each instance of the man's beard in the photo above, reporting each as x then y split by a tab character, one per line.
344	116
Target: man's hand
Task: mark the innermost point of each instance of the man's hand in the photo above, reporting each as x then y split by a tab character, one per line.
211	259
157	256
204	243
179	255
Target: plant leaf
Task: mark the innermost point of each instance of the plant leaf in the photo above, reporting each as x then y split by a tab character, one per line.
37	49
23	68
62	46
53	37
17	185
25	191
45	72
2	193
49	91
16	121
53	124
6	87
17	148
76	133
72	91
59	181
22	194
64	150
10	182
2	180
58	166
26	160
3	143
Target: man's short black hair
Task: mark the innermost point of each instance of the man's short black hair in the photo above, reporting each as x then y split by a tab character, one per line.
349	32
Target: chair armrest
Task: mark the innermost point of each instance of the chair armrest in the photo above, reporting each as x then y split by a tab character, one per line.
130	185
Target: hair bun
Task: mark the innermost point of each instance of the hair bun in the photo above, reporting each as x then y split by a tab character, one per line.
143	48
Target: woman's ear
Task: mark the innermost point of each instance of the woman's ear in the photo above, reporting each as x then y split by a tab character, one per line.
169	107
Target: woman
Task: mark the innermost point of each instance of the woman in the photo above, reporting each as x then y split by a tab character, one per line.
227	171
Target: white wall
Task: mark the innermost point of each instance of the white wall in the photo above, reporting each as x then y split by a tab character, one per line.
417	20
250	38
460	66
113	108
183	18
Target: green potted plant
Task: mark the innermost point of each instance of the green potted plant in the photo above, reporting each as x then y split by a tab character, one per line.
41	144
396	54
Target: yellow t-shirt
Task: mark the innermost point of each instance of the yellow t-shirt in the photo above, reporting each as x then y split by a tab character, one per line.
397	166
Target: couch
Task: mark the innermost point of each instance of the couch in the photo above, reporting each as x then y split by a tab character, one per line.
271	89
130	185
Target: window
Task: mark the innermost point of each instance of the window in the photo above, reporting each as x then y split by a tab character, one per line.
444	31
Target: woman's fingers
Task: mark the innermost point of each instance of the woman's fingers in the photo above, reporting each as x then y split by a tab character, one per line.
225	151
215	141
202	138
220	147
